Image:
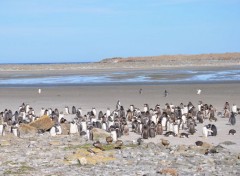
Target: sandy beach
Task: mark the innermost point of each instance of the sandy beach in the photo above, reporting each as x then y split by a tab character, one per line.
103	96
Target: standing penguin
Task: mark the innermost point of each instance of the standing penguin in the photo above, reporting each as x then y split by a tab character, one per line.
232	118
145	133
165	93
159	130
2	129
74	111
152	130
192	128
114	135
67	110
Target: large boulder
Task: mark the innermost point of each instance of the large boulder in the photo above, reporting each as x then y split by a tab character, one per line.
26	130
43	123
99	134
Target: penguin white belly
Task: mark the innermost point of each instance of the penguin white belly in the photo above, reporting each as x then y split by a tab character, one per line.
104	126
154	119
175	129
15	132
110	123
234	109
184	119
205	132
73	128
108	113
170	126
84	126
114	135
53	131
1	130
164	120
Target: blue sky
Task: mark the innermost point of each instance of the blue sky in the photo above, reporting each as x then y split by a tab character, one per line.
36	31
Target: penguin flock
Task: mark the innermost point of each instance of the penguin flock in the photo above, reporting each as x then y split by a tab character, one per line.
169	120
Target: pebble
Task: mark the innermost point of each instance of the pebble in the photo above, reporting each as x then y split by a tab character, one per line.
46	156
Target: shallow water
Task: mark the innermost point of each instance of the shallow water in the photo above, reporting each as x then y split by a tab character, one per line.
146	76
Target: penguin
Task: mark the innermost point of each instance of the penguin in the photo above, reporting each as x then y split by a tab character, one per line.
39	91
94	111
42	112
146	108
192	128
108	113
213	129
152	130
205	131
169	134
104	126
159	130
89	133
84	125
67	110
15	131
176	128
73	127
53	131
232	132
145	132
164	123
199	91
183	135
74	111
232	119
234	108
118	105
125	129
100	115
165	93
2	129
113	135
58	129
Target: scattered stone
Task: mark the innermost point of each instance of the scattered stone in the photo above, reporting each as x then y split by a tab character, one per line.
169	171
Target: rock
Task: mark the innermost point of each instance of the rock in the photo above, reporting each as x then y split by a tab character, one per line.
82	161
43	123
91	158
151	145
27	131
4	143
169	171
65	128
55	143
99	134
